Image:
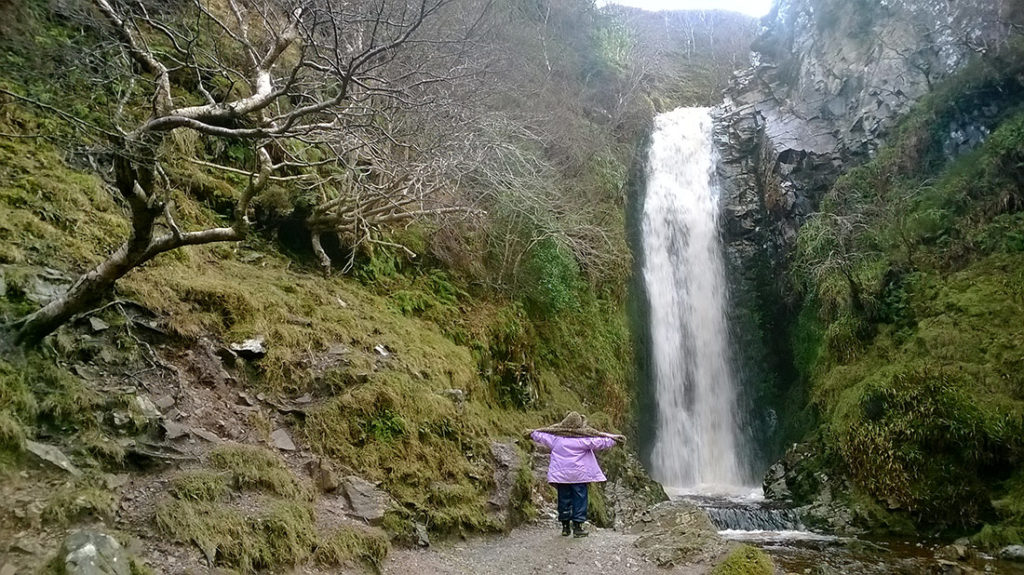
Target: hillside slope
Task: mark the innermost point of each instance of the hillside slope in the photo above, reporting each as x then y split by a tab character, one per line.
231	405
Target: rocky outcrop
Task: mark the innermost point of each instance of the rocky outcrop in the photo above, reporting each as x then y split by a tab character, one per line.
506	467
803	480
676	533
365	500
830	79
629	491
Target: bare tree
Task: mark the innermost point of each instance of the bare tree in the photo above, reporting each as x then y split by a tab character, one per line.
301	84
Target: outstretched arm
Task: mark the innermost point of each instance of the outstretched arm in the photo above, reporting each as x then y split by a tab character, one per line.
545	439
597	443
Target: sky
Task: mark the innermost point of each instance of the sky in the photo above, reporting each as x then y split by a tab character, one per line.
752	7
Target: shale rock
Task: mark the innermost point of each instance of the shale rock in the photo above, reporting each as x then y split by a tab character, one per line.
365	500
52	455
1012	553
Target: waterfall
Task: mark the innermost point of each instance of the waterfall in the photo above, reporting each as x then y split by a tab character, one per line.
697	442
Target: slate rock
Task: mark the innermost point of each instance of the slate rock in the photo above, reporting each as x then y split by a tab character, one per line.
52	455
422	536
366	501
174	430
146	407
282	440
677	533
323	475
1012	553
250	349
97	325
165	402
506	464
88	552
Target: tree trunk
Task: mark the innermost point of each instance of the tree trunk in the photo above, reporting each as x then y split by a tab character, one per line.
89	290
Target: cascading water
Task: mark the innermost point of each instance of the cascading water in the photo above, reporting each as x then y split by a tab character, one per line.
697	446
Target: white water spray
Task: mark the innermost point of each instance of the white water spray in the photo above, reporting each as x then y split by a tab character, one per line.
696	446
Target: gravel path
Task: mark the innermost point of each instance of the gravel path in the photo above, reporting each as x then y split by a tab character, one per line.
531	550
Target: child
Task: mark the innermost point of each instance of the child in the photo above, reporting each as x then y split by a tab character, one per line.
573	465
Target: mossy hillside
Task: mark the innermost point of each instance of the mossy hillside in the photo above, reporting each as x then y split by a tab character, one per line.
522	352
912	322
384	417
274	529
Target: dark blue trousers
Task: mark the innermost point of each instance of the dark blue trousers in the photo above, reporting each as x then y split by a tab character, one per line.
572	501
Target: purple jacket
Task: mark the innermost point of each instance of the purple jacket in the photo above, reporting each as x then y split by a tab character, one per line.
572	458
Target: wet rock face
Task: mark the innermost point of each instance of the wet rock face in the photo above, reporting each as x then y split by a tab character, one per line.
831	77
506	465
801	479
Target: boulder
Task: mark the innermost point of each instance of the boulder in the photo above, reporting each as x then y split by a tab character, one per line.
365	500
677	533
1012	553
775	486
954	552
88	552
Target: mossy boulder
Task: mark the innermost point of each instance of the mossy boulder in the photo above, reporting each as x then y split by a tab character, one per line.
745	560
677	533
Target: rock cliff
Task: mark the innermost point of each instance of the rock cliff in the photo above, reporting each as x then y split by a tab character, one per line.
828	81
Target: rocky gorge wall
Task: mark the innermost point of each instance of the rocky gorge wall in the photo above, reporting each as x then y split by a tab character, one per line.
829	80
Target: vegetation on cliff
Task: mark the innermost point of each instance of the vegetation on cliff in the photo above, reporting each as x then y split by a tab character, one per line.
913	311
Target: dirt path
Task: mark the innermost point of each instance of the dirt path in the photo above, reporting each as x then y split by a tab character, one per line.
531	550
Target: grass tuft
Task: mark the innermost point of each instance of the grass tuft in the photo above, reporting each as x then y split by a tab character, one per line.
257	468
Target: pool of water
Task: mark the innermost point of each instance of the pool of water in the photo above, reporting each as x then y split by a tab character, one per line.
744	515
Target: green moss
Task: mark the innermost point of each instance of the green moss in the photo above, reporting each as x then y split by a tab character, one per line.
745	560
521	504
199	485
349	543
597	507
255	468
73	502
51	214
280	536
910	330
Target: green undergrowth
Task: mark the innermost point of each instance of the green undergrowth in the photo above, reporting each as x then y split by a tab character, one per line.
36	395
79	500
246	511
913	316
415	366
389	417
745	560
